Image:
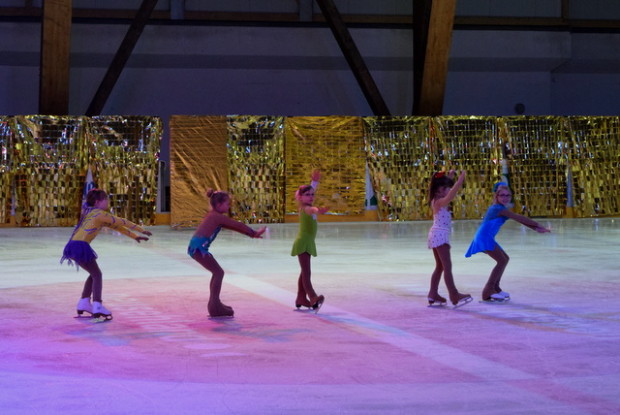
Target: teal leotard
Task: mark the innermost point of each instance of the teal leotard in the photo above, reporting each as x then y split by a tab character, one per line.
202	243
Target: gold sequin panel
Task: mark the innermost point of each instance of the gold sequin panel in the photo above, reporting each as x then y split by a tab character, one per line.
256	168
198	161
534	149
399	162
49	156
49	161
335	146
469	143
124	157
7	149
594	161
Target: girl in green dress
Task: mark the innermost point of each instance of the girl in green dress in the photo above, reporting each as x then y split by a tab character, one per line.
304	246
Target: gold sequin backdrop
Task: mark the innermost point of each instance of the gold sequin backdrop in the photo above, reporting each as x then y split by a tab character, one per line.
123	157
402	153
535	151
399	162
48	157
471	144
6	173
256	168
49	163
594	160
198	161
335	145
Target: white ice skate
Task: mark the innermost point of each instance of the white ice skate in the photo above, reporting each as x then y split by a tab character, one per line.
437	301
461	301
317	303
505	295
84	305
495	298
100	312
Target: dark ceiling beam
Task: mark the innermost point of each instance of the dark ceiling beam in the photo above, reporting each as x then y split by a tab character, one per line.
353	57
431	85
55	52
120	59
562	21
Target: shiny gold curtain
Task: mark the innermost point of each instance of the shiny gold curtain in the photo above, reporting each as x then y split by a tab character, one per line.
7	148
400	163
594	159
468	143
198	158
256	168
50	158
335	145
124	156
534	147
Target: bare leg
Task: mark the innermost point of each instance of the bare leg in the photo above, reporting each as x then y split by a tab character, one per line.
304	263
443	252
214	306
501	258
433	292
94	283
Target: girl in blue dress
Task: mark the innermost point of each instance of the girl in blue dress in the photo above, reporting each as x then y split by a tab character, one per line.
484	240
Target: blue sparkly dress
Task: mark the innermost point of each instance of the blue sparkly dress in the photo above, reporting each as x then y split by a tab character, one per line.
484	240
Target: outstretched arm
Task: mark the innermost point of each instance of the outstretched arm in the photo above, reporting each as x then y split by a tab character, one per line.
314	210
123	226
240	227
524	220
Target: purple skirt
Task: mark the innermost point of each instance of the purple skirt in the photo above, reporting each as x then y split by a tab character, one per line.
78	251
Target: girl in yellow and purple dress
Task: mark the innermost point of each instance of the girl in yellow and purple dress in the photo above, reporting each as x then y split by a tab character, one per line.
304	246
94	217
199	245
484	240
441	192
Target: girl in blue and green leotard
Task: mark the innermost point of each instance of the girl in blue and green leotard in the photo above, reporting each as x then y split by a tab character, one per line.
199	245
304	246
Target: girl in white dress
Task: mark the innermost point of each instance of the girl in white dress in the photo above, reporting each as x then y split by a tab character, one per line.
441	192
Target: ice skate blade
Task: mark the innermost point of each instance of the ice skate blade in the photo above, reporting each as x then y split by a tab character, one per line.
221	317
101	319
318	303
494	301
436	302
462	302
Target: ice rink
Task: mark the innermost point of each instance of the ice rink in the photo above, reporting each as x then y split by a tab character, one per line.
374	348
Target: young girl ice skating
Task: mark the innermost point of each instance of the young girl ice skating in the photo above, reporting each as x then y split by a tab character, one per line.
304	246
484	240
94	218
441	192
199	245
